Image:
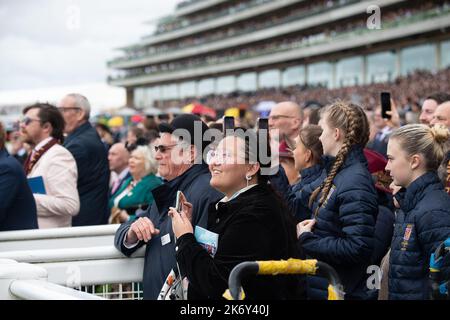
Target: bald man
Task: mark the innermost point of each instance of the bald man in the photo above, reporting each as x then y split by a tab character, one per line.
442	115
118	157
287	118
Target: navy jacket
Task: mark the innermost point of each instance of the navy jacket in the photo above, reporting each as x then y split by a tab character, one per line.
93	175
343	235
297	195
159	259
421	224
17	206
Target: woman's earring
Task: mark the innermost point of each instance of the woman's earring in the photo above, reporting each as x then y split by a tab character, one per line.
248	178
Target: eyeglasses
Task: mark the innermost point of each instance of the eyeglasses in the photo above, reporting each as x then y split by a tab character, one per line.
64	110
162	148
27	120
223	157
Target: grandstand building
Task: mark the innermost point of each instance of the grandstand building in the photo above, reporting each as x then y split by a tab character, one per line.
217	47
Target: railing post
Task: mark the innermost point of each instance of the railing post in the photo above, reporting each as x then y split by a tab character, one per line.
11	271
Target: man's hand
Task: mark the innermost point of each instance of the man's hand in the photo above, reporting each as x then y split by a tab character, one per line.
142	229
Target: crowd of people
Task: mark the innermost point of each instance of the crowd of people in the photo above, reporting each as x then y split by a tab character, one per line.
348	185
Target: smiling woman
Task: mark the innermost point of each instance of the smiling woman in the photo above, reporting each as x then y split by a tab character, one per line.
251	223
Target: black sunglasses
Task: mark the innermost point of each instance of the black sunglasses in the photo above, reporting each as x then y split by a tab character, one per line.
163	148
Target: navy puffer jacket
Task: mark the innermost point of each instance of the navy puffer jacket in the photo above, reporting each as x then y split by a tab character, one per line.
421	224
343	235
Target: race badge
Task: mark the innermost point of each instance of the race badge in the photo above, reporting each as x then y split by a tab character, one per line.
406	236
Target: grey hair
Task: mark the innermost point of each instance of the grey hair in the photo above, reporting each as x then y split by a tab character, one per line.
82	102
151	165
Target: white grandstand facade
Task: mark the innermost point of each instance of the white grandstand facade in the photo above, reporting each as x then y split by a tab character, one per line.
220	46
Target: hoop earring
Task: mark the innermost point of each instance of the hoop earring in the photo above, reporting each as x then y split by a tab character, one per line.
248	178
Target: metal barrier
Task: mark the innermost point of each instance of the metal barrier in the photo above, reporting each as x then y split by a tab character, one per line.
81	258
27	281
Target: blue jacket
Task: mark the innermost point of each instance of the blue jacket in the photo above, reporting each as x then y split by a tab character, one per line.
343	235
93	175
17	206
159	259
421	224
297	195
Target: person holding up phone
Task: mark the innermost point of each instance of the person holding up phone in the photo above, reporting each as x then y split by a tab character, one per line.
250	223
386	119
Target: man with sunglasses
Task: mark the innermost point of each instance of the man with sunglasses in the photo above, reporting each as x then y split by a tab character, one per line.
91	156
181	165
50	166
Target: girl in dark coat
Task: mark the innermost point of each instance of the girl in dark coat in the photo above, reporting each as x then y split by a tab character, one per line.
250	224
344	205
423	220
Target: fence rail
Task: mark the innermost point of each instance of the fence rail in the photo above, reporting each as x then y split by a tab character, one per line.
81	258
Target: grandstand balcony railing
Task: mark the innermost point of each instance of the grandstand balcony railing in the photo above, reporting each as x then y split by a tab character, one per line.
418	23
188	7
234	9
246	35
226	19
81	258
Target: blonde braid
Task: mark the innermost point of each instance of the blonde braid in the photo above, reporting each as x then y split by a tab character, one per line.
350	127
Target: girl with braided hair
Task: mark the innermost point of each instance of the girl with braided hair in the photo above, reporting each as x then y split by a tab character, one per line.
344	205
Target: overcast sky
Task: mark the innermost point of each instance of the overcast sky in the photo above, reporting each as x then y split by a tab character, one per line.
51	43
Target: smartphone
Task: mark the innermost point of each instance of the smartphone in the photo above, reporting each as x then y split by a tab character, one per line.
228	124
263	123
178	201
385	105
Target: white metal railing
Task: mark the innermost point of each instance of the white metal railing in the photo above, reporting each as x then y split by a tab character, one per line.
81	257
27	281
73	237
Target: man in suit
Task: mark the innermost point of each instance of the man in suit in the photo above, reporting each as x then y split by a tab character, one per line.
42	127
91	157
17	206
118	157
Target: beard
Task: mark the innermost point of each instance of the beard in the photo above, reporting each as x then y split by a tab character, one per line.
25	137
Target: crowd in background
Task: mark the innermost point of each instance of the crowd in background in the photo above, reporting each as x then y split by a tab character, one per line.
353	188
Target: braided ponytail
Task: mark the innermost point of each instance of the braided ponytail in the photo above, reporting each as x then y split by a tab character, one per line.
352	120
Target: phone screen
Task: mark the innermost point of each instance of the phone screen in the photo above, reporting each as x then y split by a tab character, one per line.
178	202
263	124
385	105
228	124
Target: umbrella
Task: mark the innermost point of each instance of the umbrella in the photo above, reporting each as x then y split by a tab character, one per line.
152	111
265	106
126	112
115	122
137	118
174	110
200	109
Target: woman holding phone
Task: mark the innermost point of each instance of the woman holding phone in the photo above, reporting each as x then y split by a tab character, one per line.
250	223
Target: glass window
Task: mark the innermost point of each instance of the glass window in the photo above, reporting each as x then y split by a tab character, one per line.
139	97
187	89
381	67
226	84
320	73
170	91
269	79
247	82
419	57
349	72
205	87
293	76
445	54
